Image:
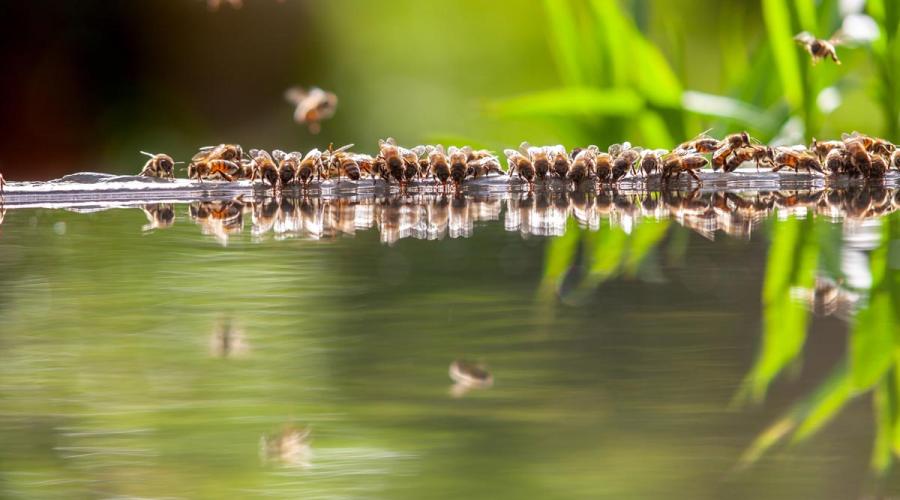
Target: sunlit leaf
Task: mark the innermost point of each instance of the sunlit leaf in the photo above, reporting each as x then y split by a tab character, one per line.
644	238
726	107
777	17
567	48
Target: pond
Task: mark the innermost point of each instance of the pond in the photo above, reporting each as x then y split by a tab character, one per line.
602	345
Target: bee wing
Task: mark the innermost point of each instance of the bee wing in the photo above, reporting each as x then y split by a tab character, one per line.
626	145
524	147
253	153
804	38
295	95
419	150
342	148
453	150
391	141
278	154
466	150
510	153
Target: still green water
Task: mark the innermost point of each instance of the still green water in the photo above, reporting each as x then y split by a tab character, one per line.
720	346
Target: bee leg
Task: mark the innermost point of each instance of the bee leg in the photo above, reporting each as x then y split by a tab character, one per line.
777	168
695	176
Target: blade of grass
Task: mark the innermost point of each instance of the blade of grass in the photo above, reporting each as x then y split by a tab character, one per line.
777	18
571	102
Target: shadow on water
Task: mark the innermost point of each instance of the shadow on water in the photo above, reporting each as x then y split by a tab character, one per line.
560	344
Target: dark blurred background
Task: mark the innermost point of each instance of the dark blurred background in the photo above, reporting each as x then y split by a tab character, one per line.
90	83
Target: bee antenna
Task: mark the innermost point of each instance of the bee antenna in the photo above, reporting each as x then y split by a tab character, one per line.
151	155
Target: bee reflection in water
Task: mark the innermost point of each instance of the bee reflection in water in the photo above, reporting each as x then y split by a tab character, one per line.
468	376
545	213
289	447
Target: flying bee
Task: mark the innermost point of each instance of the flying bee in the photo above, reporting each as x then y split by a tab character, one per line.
438	165
676	164
822	148
311	165
343	162
624	162
539	158
819	49
520	165
312	106
585	163
458	166
559	160
390	153
288	164
701	144
159	165
857	154
264	167
796	159
650	160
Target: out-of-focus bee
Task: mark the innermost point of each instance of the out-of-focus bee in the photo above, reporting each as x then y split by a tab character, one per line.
559	160
539	158
519	164
343	163
438	165
624	161
390	153
467	376
796	159
756	153
822	148
650	160
857	154
836	160
585	164
676	164
264	167
159	165
820	49
703	143
287	166
290	447
311	165
458	165
895	161
312	106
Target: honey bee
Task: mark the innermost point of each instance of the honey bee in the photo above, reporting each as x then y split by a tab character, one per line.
796	159
290	447
836	160
343	163
560	161
312	106
230	152
159	165
624	161
873	145
603	164
823	148
458	165
214	170
539	158
727	146
390	153
585	164
410	163
288	163
519	164
264	167
819	49
650	160
483	167
857	154
676	164
878	167
311	165
159	216
700	144
438	165
755	153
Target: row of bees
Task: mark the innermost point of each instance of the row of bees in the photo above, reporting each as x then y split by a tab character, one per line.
436	216
855	155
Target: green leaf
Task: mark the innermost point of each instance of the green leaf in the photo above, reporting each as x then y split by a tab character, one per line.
566	46
777	17
571	102
729	108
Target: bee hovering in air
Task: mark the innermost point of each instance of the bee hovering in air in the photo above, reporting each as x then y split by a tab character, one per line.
159	165
312	106
820	49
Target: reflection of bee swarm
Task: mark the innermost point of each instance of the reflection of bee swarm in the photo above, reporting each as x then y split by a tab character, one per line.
228	341
289	447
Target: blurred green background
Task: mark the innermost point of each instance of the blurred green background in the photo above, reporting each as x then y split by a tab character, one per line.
90	83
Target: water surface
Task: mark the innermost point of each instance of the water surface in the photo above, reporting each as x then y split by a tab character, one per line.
701	345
